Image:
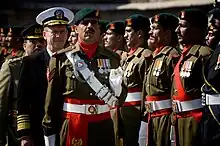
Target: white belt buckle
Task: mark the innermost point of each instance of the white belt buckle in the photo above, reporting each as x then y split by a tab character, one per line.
150	106
91	109
176	106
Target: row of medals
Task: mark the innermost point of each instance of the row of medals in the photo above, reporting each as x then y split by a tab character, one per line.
104	66
186	69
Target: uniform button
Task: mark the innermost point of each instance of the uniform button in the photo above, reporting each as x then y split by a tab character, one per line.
145	73
148	85
90	94
106	77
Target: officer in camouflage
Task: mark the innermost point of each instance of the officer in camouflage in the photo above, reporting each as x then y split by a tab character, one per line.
9	78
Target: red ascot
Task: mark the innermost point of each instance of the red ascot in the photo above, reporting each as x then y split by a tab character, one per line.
132	50
88	49
14	52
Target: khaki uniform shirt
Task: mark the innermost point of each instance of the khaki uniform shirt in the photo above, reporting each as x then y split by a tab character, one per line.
191	70
134	67
9	77
63	82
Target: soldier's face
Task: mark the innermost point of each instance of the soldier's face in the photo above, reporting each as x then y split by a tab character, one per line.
213	35
88	30
56	36
131	37
33	45
185	32
110	39
9	40
157	36
3	41
73	38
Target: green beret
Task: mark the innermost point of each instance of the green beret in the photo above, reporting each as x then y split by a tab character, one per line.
195	17
85	13
166	20
138	22
33	31
117	27
103	24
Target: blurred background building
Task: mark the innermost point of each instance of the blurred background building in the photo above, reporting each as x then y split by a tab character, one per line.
19	12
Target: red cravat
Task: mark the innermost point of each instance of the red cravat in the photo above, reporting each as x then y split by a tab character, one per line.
180	89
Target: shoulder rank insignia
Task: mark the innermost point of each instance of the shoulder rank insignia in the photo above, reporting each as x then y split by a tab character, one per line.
218	63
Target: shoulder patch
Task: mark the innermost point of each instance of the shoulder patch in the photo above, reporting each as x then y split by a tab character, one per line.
205	51
110	53
64	50
15	59
174	53
147	53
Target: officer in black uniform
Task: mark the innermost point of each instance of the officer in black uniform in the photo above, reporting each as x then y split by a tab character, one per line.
211	88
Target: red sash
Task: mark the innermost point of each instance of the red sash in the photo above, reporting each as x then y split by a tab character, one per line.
77	133
182	95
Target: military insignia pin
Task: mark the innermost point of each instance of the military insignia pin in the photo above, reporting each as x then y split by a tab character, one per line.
80	64
188	68
159	67
59	14
100	66
129	22
112	26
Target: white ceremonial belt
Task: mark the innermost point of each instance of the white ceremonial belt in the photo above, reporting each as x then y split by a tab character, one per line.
135	96
213	99
86	108
102	91
152	106
183	106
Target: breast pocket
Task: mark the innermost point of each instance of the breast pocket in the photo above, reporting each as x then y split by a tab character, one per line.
71	81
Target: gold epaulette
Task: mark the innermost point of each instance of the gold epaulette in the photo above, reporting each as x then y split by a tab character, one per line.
147	53
205	51
23	122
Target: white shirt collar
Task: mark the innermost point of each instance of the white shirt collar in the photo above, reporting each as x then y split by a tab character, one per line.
49	52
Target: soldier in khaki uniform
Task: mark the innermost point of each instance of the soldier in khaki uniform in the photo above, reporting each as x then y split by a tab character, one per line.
188	79
13	43
3	48
80	95
9	77
114	37
133	65
157	83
